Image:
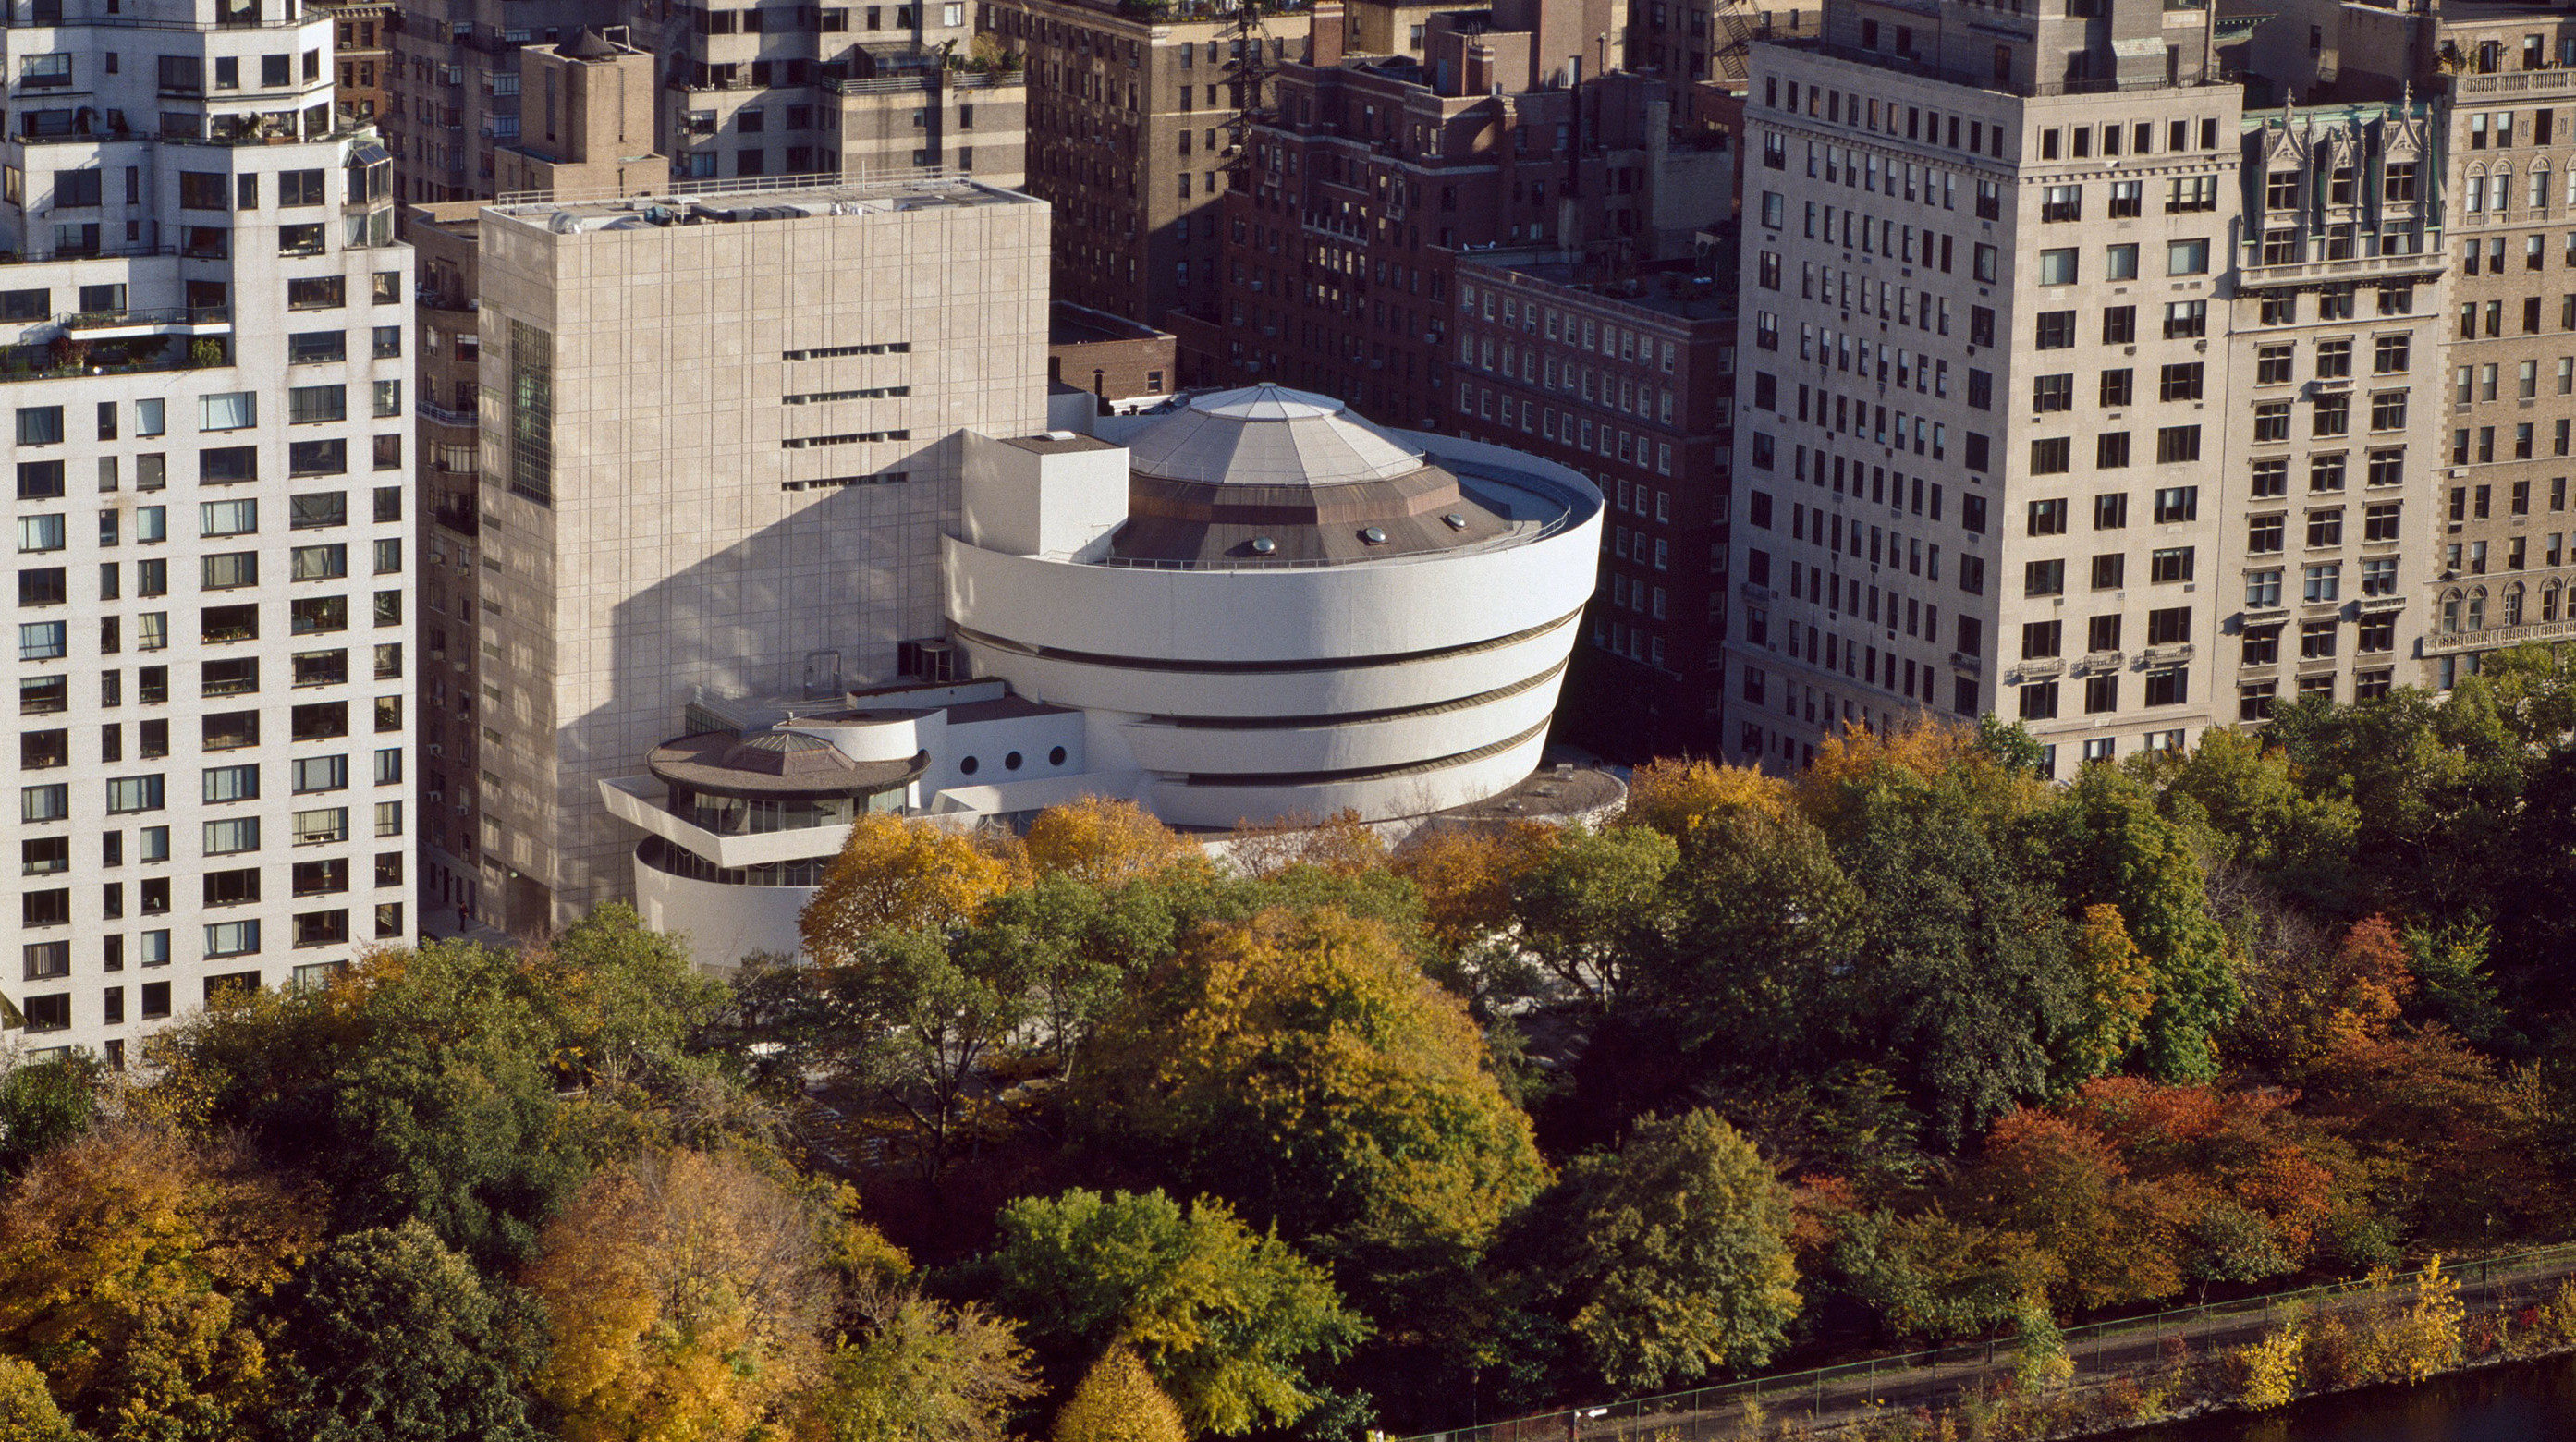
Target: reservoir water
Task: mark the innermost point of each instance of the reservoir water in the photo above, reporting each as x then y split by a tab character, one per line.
2526	1402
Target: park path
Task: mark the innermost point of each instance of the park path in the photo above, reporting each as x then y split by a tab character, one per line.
1827	1398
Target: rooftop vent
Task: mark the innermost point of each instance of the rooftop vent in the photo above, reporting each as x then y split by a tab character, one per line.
1263	545
1063	436
1373	536
1454	521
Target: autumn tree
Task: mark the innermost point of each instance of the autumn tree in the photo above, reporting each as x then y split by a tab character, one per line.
1674	796
45	1102
389	1336
422	1083
1118	1401
1748	976
2114	848
27	1410
1586	899
1960	981
1302	1066
1228	1320
1666	1260
1102	842
687	1295
2247	805
924	1371
1929	1275
131	1261
1465	876
2115	993
899	874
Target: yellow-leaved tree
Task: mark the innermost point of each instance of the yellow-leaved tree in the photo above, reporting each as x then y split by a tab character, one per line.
1117	1401
899	874
688	1294
1672	796
2117	990
129	1261
1102	842
1301	1066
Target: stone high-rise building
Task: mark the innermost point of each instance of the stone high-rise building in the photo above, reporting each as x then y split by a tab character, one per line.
213	676
720	443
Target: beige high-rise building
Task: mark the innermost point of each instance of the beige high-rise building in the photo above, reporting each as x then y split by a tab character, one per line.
720	445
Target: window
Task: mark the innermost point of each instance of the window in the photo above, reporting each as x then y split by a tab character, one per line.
2040	639
2170	687
2116	389
2177	443
321	773
2120	262
2057	267
2056	329
2388	411
2331	415
2186	194
231	938
323	827
2119	324
2266	534
2111	451
2321	583
321	563
2039	701
41	640
2048	518
2127	200
2262	646
2111	512
2325	527
2053	393
308	405
2181	382
2044	578
2186	319
2110	572
2177	503
2262	590
227	518
2170	564
230	783
2061	203
2051	457
2272	364
2187	257
228	411
133	793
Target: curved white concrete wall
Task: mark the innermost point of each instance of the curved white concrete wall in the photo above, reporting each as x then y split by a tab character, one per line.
1332	690
723	923
897	737
1377	800
1287	613
1395	742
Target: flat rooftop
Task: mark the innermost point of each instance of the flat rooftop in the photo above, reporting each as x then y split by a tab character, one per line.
1676	292
736	203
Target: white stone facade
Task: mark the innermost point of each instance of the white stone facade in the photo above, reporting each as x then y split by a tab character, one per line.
210	384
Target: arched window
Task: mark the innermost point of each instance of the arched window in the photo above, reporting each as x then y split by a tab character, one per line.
2549	601
2540	186
2500	189
2474	198
2450	613
2513	604
2474	617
